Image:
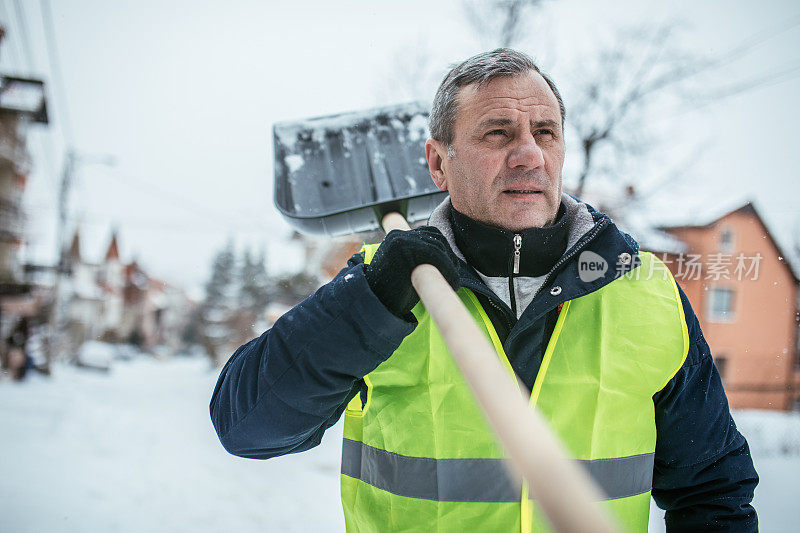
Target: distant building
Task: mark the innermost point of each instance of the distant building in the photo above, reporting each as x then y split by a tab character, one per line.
83	297
745	294
22	104
111	280
14	168
119	302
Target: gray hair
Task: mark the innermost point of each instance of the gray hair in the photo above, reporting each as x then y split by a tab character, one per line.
480	69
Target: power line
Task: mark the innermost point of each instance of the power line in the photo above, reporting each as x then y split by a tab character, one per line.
22	22
763	80
213	221
163	194
174	200
757	38
702	100
163	225
55	70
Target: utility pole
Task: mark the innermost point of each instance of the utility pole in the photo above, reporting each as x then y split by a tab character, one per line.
54	343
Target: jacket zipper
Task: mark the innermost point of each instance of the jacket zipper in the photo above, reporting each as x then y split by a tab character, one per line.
514	270
575	249
490	298
502	311
517	247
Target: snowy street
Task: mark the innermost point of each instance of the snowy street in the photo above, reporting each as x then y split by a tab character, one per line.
134	450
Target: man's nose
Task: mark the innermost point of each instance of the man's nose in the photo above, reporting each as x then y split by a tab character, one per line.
526	154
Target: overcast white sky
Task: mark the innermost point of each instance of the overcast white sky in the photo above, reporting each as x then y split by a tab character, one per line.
184	94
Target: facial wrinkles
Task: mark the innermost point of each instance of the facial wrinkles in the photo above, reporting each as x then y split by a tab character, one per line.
517	110
523	105
520	118
526	109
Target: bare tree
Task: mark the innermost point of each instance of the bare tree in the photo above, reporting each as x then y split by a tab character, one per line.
415	70
501	22
644	79
615	94
412	75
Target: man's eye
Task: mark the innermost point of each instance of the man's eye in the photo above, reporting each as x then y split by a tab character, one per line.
496	132
544	132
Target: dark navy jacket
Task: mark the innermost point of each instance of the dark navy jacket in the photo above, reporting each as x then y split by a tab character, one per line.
279	393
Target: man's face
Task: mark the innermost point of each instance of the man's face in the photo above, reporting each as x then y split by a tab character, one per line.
508	149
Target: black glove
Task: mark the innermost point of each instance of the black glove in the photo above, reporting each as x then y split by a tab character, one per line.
389	272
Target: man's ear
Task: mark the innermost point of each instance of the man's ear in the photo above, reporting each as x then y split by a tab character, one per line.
436	154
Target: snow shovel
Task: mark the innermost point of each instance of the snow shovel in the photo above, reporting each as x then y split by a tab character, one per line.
360	171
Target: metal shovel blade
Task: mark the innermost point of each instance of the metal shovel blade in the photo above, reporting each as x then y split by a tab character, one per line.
340	174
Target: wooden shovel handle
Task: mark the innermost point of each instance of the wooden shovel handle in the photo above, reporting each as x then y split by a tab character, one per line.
561	487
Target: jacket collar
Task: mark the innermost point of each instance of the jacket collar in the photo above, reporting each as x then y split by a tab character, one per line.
581	218
589	231
499	252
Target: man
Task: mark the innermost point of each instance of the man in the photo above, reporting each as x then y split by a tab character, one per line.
616	362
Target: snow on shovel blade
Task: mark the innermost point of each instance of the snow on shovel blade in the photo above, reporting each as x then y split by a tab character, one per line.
340	174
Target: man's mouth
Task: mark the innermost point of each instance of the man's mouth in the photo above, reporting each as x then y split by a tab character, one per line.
522	191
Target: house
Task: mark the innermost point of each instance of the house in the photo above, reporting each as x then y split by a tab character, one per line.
155	312
745	294
111	280
119	302
82	297
22	104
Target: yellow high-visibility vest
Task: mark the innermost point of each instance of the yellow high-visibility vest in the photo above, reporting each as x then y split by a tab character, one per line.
418	454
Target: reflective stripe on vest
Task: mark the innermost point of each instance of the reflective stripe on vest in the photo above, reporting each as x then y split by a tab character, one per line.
418	454
453	480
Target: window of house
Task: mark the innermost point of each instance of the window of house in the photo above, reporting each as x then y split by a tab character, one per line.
719	306
721	362
727	240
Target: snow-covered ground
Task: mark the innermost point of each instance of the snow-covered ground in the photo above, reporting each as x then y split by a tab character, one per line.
774	439
134	450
